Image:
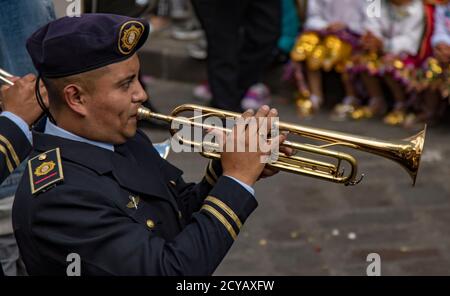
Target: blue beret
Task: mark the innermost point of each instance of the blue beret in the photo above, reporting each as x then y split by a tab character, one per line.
73	45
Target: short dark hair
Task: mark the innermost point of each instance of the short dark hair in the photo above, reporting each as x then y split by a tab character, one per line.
55	86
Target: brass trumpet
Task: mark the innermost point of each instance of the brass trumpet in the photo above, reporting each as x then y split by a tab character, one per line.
405	152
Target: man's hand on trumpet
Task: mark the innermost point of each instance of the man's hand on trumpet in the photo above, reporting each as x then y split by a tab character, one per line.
245	163
20	98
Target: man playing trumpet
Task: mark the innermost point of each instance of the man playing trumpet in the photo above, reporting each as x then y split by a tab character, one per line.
95	185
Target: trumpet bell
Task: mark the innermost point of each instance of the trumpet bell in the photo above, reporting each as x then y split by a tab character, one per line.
410	156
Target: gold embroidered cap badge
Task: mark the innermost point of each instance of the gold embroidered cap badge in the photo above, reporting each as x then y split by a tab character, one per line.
129	36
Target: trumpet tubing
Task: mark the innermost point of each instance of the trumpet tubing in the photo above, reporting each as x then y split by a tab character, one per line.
406	152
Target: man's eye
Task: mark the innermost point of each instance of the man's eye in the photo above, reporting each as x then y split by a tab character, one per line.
126	85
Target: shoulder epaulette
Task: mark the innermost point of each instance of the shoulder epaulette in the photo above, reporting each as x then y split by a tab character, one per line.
45	171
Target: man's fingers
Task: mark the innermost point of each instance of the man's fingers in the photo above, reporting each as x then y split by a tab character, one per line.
287	150
26	81
219	135
279	139
13	79
273	114
261	119
244	119
269	172
247	114
4	88
240	129
29	78
262	112
275	142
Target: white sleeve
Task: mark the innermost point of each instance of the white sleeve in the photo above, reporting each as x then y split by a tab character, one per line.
412	31
315	17
441	34
375	24
20	123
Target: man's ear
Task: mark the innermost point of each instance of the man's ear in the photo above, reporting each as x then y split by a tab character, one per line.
75	96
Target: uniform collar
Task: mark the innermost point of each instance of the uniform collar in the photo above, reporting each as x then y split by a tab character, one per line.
146	177
54	130
77	151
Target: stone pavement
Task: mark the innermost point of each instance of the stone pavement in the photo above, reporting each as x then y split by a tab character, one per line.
305	226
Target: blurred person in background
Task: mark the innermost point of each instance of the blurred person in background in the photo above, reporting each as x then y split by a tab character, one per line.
18	20
259	93
331	30
20	110
241	37
436	78
393	42
427	83
441	44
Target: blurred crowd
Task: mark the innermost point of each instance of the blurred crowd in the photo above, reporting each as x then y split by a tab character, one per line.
391	57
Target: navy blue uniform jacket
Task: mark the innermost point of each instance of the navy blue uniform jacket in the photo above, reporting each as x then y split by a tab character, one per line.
14	147
126	214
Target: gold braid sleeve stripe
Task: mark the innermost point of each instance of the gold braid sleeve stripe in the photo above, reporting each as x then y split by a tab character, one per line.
8	161
221	218
11	150
226	209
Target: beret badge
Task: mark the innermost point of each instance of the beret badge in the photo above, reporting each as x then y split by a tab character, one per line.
129	36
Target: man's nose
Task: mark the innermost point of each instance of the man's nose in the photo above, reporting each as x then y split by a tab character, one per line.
141	95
